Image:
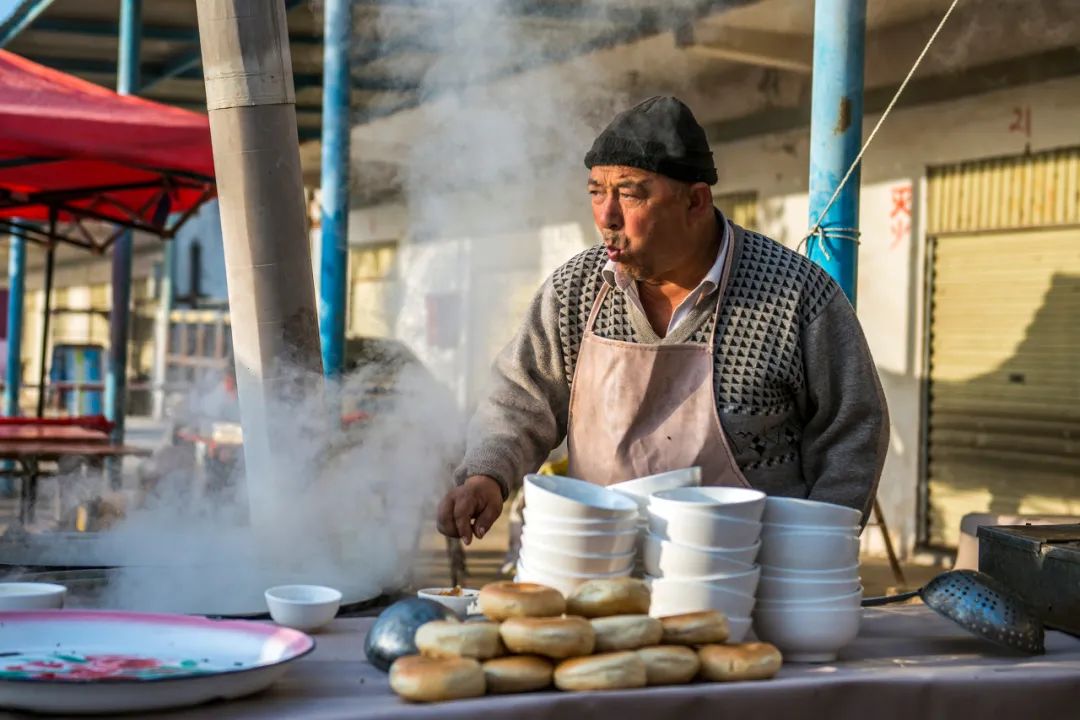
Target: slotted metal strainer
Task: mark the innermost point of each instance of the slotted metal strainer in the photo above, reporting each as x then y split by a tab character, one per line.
981	605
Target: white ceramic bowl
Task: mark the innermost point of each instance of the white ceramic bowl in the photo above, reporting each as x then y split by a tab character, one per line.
540	556
731	502
809	551
839	600
303	607
564	582
702	529
738	627
460	604
807	634
547	522
31	596
673	597
744	582
844	573
581	542
664	558
640	489
796	511
768	528
806	590
569	498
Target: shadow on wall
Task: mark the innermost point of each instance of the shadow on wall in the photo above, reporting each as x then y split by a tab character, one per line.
1008	440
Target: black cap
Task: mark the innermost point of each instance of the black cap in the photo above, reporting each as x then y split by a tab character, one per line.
660	135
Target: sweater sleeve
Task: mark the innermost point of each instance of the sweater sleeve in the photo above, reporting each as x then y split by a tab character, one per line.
846	431
525	412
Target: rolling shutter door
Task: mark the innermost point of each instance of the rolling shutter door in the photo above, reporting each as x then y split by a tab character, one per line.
1004	391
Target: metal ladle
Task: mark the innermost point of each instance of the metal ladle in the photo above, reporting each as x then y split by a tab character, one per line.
981	605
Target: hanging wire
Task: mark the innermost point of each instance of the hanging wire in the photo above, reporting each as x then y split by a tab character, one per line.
852	234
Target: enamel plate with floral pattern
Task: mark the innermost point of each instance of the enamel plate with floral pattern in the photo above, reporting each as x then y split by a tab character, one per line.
74	661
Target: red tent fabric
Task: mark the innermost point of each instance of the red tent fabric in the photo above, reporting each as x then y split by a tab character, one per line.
71	151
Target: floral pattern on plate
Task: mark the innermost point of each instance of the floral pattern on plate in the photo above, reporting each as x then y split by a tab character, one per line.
79	667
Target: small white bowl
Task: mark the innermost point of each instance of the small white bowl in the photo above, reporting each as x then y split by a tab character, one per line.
849	572
31	596
768	528
640	489
839	600
540	556
702	529
806	590
303	607
809	551
808	634
731	502
581	543
566	497
673	597
458	603
547	522
664	558
797	511
564	582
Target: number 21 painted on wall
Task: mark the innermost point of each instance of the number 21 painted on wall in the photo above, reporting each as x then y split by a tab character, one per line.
1021	121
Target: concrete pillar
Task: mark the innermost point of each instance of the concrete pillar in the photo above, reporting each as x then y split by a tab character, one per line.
252	107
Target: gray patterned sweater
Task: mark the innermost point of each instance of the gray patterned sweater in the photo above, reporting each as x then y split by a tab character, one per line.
796	389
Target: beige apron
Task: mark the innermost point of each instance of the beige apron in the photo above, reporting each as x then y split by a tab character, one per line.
640	409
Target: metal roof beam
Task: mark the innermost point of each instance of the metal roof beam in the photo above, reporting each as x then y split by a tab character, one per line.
153	72
597	12
650	24
168	33
175	66
20	18
783	51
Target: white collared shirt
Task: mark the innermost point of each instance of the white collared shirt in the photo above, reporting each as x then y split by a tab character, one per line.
614	275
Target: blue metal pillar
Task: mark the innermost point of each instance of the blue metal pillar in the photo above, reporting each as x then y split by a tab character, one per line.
334	246
16	293
127	82
163	330
835	136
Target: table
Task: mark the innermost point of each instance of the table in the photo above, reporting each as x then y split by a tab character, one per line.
907	664
51	433
55	443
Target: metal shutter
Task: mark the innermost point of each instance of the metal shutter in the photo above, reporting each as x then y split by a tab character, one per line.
1004	391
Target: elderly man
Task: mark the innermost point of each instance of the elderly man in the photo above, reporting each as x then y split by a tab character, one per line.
682	340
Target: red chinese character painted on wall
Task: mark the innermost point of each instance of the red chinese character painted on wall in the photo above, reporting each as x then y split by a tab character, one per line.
900	215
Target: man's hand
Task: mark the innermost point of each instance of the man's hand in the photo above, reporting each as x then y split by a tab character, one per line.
478	499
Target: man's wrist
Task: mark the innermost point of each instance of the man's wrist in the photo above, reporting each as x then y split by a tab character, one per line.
482	480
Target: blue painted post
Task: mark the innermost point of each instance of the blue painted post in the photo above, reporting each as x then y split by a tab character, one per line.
13	376
836	135
127	82
16	293
334	246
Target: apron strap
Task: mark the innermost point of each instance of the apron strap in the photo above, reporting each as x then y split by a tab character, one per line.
721	289
596	307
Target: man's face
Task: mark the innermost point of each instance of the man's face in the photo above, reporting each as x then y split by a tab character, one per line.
644	218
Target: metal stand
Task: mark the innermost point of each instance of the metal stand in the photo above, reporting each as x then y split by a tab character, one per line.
890	551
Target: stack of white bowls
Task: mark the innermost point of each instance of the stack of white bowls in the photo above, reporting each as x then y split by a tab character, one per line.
700	552
575	531
810	594
639	491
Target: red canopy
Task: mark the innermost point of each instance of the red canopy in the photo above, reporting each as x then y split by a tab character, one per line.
72	151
